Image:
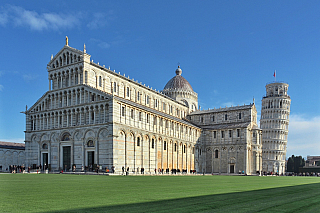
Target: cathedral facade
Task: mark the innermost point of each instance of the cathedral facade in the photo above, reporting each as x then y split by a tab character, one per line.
92	116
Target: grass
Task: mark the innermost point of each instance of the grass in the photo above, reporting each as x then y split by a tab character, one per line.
84	193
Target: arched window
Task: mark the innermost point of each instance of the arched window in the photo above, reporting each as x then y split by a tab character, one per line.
138	141
226	117
184	148
165	146
216	154
175	147
240	115
152	144
100	81
90	143
45	146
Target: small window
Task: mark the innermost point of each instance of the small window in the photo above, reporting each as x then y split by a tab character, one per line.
138	96
230	133
152	144
212	118
114	86
123	111
238	132
148	99
138	141
140	116
226	117
184	148
216	154
214	134
100	81
201	119
175	147
155	103
132	113
165	145
222	134
147	118
240	115
128	92
254	134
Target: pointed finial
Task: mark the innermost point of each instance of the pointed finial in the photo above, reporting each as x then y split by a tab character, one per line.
67	41
253	100
84	48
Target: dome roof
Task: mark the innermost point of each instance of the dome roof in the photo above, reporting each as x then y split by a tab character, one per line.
178	82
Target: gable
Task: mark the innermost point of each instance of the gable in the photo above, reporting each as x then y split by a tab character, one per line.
46	103
66	56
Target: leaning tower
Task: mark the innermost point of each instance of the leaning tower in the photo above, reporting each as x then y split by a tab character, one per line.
274	123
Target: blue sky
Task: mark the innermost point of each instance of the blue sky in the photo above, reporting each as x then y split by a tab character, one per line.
228	51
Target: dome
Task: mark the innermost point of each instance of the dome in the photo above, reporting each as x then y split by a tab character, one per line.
178	82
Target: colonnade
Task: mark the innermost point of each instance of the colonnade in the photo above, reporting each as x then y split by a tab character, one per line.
92	114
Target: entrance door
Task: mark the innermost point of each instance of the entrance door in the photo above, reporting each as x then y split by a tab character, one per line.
44	161
90	160
231	168
66	157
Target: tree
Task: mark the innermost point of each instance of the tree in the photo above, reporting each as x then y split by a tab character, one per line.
294	163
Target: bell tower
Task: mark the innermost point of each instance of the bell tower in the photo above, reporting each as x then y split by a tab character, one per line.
274	122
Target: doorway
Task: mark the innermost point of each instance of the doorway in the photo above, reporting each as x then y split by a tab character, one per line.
44	161
231	168
90	160
66	158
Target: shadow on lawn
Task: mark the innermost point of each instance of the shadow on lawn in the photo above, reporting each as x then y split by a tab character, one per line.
284	199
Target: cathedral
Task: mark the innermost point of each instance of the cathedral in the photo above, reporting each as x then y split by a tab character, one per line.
92	116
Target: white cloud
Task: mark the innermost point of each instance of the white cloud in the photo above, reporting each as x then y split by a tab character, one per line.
100	20
101	44
29	77
19	16
14	140
3	18
304	136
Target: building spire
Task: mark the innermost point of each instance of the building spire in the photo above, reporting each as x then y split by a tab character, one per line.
67	41
84	48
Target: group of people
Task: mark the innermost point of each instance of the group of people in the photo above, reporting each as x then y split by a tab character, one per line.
17	169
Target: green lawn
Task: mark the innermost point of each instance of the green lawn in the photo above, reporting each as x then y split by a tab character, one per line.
84	193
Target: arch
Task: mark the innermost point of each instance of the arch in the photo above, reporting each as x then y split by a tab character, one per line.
66	136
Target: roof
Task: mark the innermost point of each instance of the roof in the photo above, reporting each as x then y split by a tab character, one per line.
222	109
227	126
11	145
178	82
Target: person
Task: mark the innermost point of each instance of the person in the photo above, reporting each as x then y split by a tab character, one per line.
122	170
127	171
